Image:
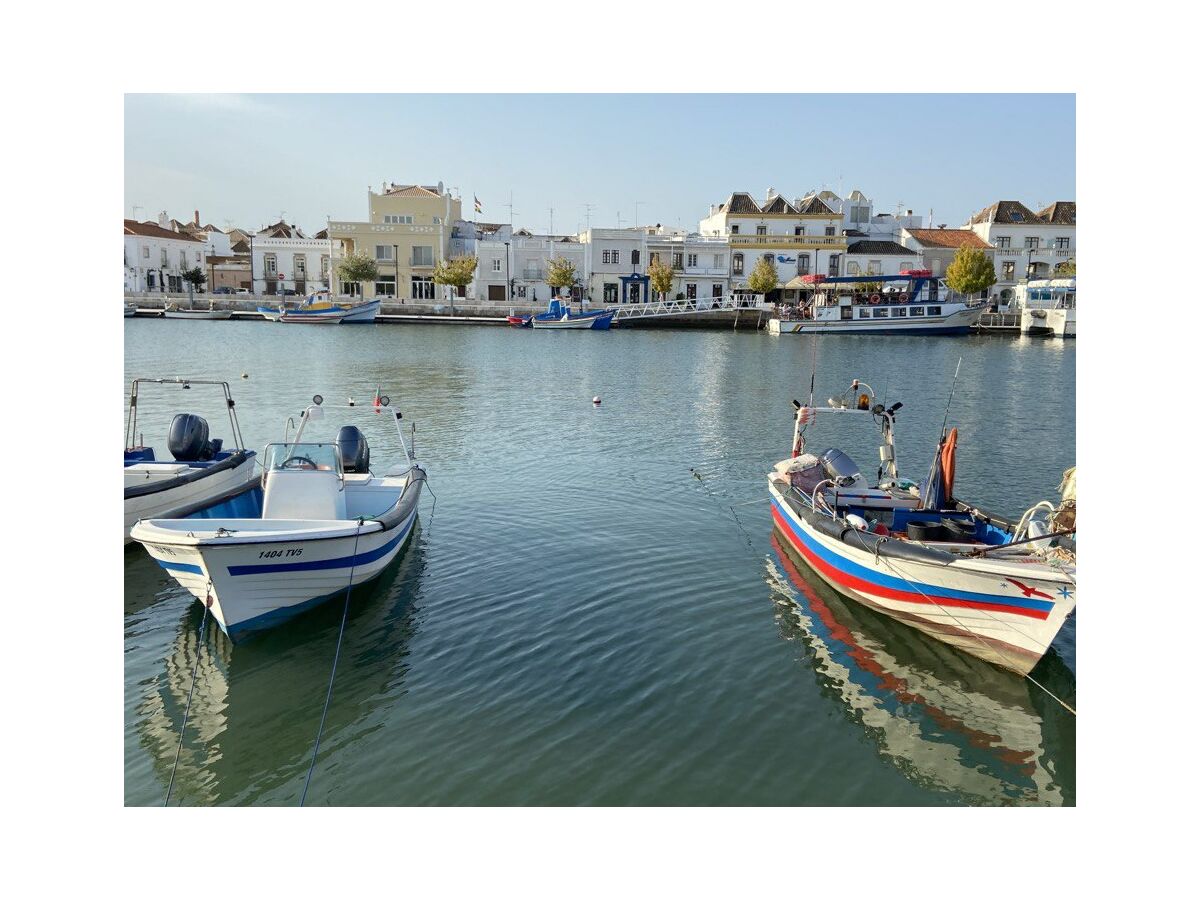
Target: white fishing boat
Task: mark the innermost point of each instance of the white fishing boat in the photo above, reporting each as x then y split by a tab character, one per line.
877	304
200	474
1047	307
326	523
175	311
320	307
991	587
130	310
594	321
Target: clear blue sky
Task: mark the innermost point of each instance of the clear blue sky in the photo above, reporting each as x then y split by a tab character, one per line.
245	158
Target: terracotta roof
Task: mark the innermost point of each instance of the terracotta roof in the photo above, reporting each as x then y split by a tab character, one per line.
412	190
152	229
813	206
779	205
1060	212
740	202
321	235
281	230
883	248
240	247
225	260
948	237
1006	212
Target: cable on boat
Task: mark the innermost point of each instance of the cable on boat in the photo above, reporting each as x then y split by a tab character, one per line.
188	707
333	672
745	534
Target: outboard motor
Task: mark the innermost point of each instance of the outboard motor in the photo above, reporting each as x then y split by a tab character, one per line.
839	468
352	450
188	439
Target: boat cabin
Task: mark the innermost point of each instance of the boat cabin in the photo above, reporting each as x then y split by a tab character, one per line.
913	294
1047	293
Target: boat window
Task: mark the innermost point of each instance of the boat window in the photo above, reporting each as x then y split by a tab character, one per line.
880	313
302	457
916	311
864	313
899	312
935	310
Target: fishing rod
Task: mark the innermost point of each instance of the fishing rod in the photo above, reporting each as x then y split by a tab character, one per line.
950	399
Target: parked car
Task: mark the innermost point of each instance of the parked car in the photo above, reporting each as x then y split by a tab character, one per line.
243	291
223	290
286	292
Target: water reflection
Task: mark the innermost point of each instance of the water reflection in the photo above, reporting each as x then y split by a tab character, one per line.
948	721
257	706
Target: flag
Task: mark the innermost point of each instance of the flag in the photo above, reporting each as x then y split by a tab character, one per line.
377	404
478	205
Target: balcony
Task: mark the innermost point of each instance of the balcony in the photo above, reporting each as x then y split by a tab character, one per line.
788	241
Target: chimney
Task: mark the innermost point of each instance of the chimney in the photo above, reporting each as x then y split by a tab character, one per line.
909	213
196	218
771	194
163	220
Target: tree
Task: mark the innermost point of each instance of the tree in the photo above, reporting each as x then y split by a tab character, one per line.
560	273
1065	270
455	272
661	277
354	268
970	272
764	278
195	277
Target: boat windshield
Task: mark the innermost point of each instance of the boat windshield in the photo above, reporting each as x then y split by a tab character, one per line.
300	457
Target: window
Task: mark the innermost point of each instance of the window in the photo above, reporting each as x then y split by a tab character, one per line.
1062	243
761	229
676	260
383	252
610	292
299	267
521	292
197	256
899	312
799	231
847	312
690	291
935	310
1003	243
738	264
802	264
635	256
692	260
163	256
859	214
385	286
437	220
770	258
422	287
830	230
864	313
916	310
324	268
183	259
852	268
398	220
422	256
874	267
834	261
270	265
716	291
1031	243
734	229
605	257
616	257
495	265
879	313
719	260
145	251
1007	271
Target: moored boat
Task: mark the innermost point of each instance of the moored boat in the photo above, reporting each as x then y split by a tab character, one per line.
559	315
130	310
1047	307
175	311
326	522
319	307
201	472
994	588
909	303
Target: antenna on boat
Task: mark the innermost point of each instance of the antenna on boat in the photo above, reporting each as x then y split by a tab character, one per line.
812	382
950	399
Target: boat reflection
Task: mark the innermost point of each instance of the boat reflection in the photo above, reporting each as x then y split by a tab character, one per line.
948	721
257	706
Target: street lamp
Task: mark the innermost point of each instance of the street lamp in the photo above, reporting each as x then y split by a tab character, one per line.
396	262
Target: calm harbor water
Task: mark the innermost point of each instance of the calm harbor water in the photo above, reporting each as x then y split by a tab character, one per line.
581	619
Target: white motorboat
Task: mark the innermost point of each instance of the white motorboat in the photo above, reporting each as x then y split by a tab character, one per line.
319	307
326	523
201	472
175	311
130	310
994	588
1047	307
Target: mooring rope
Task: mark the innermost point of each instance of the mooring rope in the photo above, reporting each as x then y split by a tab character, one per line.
737	521
188	708
333	672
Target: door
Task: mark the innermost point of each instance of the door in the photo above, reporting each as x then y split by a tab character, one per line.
496	292
635	293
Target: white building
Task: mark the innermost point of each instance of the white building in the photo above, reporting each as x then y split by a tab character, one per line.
284	259
615	262
156	257
1027	244
530	257
700	262
937	246
868	257
490	244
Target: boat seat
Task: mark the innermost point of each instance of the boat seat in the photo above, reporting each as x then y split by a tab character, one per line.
303	494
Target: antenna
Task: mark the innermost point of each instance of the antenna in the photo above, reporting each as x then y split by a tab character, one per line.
636	204
135	208
588	207
618	218
509	206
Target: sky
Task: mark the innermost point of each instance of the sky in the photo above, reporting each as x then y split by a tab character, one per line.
242	160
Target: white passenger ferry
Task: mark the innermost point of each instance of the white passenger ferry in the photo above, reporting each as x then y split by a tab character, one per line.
912	302
1047	307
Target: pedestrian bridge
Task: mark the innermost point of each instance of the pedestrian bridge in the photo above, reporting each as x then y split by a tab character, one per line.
695	306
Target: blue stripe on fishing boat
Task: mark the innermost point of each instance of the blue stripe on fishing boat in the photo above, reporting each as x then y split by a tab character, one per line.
343	562
181	567
841	562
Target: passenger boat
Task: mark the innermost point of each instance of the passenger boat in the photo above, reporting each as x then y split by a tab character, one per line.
994	588
1047	307
175	311
326	522
201	472
320	307
840	305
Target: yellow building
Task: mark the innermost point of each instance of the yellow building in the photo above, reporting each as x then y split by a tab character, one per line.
407	234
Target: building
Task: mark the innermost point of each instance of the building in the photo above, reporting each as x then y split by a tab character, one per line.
531	255
800	237
1027	244
700	263
869	257
156	257
937	246
491	245
284	259
407	232
614	263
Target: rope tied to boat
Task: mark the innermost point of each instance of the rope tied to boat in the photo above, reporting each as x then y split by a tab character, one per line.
333	672
208	602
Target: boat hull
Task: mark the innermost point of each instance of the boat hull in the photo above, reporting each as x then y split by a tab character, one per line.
184	499
1048	322
197	313
957	603
960	322
580	323
259	582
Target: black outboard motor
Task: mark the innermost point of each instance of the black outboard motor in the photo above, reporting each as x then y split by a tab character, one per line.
352	450
188	439
839	468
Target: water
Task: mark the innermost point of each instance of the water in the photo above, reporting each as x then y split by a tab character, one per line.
581	620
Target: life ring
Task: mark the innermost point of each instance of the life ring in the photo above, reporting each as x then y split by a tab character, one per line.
874	298
902	297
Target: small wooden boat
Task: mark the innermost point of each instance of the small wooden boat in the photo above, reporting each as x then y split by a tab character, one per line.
997	589
200	473
562	317
174	311
326	522
520	321
321	308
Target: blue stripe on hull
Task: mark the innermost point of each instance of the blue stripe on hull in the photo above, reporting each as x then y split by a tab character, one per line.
180	567
343	562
